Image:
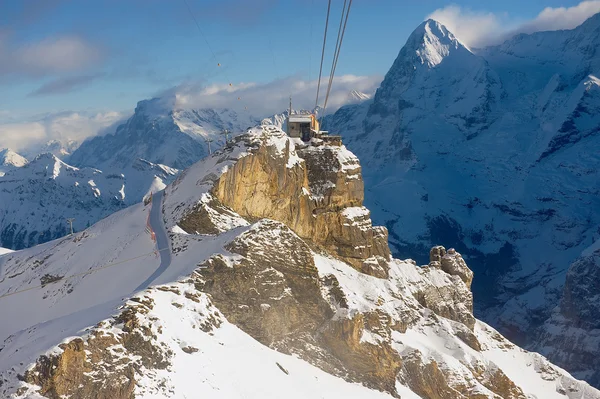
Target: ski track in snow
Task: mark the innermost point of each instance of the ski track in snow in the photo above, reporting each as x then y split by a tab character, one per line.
162	240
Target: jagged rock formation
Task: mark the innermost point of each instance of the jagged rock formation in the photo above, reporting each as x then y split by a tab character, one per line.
571	337
237	278
492	152
451	262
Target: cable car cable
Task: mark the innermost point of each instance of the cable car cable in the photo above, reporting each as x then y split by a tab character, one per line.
337	55
323	53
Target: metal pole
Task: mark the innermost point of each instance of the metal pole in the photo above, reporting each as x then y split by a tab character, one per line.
70	221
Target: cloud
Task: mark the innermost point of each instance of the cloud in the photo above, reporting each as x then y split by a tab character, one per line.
18	135
64	126
65	85
478	28
561	17
269	98
471	27
61	54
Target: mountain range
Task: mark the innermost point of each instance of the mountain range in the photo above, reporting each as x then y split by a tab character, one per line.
495	152
257	273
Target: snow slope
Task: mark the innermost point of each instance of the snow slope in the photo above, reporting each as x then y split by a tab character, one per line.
494	152
186	347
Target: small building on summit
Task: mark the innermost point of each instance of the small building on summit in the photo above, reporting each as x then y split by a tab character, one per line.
303	126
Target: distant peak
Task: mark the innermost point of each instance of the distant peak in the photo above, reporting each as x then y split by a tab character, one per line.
157	106
432	42
357	96
433	27
9	157
46	156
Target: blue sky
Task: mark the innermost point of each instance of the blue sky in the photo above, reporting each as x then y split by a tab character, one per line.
92	56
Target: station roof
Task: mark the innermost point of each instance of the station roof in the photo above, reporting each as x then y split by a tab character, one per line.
301	118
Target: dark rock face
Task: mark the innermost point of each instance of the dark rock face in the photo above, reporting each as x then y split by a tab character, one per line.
581	294
571	337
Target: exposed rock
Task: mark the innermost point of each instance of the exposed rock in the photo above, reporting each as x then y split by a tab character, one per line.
453	264
437	253
426	380
273	292
453	302
298	294
317	191
100	365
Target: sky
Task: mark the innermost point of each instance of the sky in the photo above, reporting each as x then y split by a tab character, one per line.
69	69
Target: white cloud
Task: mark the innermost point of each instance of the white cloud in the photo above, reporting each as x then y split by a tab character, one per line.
266	99
65	126
477	28
562	17
18	136
51	55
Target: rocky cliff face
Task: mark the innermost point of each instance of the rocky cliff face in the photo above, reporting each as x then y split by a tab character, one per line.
270	244
315	189
571	337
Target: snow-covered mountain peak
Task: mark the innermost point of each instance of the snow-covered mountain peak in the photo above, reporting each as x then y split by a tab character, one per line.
485	143
356	96
50	164
156	107
433	42
10	158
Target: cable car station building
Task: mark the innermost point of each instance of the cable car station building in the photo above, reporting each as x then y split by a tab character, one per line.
306	127
303	126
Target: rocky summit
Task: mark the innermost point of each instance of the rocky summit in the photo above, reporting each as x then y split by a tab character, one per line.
267	280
